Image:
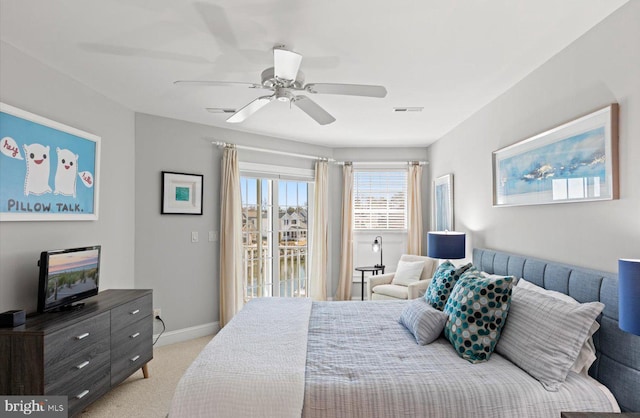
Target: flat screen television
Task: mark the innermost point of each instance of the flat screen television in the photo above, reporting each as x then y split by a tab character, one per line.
67	276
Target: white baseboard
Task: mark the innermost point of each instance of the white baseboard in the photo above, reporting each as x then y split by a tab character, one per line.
186	334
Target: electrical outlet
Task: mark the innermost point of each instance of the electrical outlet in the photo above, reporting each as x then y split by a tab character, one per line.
156	312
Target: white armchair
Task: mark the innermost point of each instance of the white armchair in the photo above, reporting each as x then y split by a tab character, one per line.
380	287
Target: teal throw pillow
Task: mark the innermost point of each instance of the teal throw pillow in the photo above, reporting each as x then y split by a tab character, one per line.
444	279
477	310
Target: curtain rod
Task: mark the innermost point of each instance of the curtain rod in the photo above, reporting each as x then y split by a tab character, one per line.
315	157
290	154
379	163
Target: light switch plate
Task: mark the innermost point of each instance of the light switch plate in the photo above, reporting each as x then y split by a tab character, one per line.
194	236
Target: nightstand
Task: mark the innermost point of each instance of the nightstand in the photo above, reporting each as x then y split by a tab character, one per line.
373	269
600	415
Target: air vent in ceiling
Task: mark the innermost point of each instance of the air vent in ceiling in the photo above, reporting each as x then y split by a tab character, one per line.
408	109
220	110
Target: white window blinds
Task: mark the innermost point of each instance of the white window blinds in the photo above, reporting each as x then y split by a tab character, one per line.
380	199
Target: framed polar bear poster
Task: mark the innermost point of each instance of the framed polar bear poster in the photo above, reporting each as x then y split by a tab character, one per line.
48	171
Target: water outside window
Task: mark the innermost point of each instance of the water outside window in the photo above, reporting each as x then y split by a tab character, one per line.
275	217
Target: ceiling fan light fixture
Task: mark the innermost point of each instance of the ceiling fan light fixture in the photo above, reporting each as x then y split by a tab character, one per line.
270	81
286	64
284	95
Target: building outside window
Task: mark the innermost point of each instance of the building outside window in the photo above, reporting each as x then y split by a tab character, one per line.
275	236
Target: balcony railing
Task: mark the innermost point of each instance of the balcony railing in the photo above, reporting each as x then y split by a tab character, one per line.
260	275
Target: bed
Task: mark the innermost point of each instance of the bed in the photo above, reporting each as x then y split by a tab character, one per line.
297	358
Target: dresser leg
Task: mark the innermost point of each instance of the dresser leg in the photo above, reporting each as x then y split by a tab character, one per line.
145	371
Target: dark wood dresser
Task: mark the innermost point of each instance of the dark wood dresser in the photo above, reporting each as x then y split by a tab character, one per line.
81	353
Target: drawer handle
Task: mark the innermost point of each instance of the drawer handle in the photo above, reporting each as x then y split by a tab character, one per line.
134	312
80	337
135	358
82	365
134	335
82	395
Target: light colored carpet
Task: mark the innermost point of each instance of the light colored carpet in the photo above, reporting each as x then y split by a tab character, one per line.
137	397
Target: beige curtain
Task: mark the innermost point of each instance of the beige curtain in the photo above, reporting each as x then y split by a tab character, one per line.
346	259
320	234
414	209
231	288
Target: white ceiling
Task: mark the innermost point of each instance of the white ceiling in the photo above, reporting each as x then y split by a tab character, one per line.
451	57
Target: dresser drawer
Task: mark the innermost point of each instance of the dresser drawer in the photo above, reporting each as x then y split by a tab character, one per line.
77	368
82	393
131	334
64	344
129	312
131	347
125	367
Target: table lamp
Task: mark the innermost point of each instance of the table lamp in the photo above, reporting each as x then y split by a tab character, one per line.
446	245
629	295
377	246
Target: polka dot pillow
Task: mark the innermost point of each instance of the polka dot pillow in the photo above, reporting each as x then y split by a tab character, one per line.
477	310
444	279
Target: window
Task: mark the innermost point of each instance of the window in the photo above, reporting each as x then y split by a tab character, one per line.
275	219
380	199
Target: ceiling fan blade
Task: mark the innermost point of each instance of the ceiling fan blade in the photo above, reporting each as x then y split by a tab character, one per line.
219	83
347	89
249	109
314	110
286	63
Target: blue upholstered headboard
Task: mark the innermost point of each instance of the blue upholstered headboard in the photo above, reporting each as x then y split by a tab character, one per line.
618	362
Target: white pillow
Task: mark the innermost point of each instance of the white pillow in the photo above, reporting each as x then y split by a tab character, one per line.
407	272
588	351
558	295
495	276
543	335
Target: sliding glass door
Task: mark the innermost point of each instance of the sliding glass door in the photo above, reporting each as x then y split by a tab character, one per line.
275	219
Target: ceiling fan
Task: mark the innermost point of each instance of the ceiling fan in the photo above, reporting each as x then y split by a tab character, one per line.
285	79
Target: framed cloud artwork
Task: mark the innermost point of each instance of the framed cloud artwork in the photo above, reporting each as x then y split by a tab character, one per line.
181	193
443	203
48	171
574	162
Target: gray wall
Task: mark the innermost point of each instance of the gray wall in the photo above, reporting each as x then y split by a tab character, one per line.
601	67
32	86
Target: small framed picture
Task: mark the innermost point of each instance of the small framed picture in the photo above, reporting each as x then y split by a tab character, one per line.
181	193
